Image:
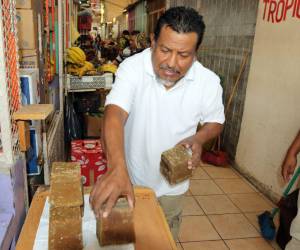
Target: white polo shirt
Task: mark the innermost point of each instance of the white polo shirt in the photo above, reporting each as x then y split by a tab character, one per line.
159	118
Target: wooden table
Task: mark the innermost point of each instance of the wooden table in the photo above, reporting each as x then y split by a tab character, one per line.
151	228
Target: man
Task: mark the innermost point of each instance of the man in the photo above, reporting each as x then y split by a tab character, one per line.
159	97
288	168
124	39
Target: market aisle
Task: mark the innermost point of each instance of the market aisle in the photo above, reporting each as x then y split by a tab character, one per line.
220	212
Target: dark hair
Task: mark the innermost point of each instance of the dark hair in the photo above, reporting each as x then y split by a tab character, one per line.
135	32
125	33
98	38
182	20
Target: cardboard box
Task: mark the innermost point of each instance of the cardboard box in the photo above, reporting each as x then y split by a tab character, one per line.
25	4
29	79
93	125
28	58
27	29
89	154
33	167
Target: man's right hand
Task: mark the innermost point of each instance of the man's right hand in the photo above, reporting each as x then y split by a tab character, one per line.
108	189
288	166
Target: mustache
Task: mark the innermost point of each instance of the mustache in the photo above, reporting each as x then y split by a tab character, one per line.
166	67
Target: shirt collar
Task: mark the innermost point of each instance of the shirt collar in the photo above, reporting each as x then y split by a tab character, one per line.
190	75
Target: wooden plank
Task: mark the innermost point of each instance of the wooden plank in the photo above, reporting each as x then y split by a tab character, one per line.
33	112
24	135
151	228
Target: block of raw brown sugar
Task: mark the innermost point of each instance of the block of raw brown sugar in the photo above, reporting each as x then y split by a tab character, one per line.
65	229
118	227
65	171
173	164
67	194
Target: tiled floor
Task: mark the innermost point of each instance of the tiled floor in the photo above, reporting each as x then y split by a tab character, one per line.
220	212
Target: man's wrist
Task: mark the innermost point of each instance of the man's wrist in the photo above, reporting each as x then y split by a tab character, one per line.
293	152
115	160
200	139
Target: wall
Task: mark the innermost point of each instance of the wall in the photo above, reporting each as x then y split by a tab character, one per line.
154	9
141	17
14	203
6	207
230	28
271	115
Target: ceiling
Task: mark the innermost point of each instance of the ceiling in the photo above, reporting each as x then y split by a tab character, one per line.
115	8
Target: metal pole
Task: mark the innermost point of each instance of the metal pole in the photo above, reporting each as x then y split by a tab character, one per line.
60	55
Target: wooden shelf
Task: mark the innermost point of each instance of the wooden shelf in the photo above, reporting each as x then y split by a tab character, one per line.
33	112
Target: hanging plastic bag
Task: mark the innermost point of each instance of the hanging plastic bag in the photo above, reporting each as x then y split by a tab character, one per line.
73	124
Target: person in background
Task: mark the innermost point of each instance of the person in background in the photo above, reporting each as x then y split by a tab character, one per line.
124	40
288	168
158	98
138	42
98	46
123	54
98	42
124	47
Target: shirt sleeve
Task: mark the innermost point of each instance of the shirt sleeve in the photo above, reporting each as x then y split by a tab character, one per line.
123	90
213	110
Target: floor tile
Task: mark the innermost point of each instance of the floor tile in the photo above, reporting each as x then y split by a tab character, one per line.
200	174
197	228
234	186
252	217
274	244
191	207
217	204
251	185
267	200
179	247
233	226
204	187
205	245
248	244
250	202
188	193
221	173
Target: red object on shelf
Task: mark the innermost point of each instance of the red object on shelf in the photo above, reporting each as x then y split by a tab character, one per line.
90	155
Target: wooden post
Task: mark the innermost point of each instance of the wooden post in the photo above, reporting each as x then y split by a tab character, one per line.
24	135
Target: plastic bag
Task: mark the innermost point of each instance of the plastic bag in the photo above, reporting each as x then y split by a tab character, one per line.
73	123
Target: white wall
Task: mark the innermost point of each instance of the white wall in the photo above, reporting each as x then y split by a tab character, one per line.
272	109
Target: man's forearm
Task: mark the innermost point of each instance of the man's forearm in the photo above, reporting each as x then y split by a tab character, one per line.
209	131
114	120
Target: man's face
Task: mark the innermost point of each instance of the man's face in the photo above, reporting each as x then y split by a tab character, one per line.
173	54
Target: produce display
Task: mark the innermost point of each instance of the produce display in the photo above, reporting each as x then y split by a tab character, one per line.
77	64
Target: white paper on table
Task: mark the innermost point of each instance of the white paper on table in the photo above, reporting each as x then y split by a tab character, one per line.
90	241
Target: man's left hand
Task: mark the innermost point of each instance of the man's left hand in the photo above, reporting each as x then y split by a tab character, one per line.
195	145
